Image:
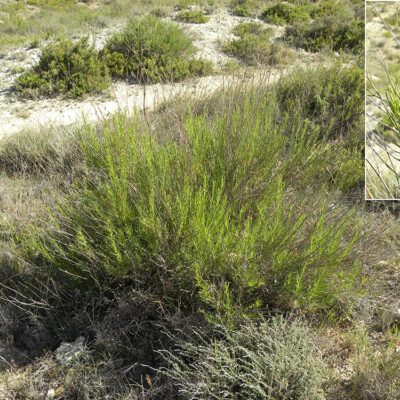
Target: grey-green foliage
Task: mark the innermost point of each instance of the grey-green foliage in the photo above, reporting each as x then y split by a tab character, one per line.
275	360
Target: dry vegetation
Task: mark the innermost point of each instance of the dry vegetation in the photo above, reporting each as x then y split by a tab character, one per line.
215	247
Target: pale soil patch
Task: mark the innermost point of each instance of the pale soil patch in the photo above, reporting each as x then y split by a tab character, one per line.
382	158
378	45
17	114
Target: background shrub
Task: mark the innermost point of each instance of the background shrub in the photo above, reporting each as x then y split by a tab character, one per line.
331	97
244	8
71	69
331	8
241	11
254	46
284	13
274	360
329	32
150	50
192	16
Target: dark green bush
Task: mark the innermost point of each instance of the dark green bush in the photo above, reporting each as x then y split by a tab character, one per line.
254	28
254	46
192	16
274	360
159	12
151	50
283	13
330	8
71	69
241	11
331	97
330	32
244	8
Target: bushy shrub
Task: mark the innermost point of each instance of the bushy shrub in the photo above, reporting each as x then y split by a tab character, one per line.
330	32
254	46
254	28
283	13
151	50
201	218
71	69
159	12
330	8
244	8
331	97
275	360
192	16
241	11
347	167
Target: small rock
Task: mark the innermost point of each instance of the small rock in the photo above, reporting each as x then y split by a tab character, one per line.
67	352
50	394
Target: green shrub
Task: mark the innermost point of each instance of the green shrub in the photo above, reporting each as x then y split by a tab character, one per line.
159	12
330	8
301	2
283	13
244	8
274	360
254	46
150	50
330	32
200	217
71	69
254	28
331	97
241	11
347	168
192	16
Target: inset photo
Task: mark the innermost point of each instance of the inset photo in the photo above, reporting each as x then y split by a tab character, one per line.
382	140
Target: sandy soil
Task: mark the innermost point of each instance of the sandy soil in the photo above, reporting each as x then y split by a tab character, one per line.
17	114
381	153
379	47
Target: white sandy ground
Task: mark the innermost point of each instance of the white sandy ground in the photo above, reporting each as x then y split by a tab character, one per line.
17	114
379	47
